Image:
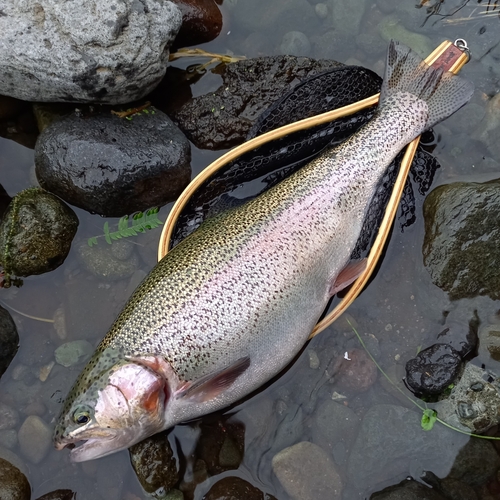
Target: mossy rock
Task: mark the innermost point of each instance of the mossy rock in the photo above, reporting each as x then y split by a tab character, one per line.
36	232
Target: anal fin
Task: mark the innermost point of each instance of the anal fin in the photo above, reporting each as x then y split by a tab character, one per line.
348	275
211	385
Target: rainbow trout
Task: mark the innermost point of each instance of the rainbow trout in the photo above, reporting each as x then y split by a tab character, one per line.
230	306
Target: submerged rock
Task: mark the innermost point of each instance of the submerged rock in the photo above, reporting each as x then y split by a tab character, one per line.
390	441
460	247
307	472
59	495
222	119
9	343
13	483
110	51
355	372
433	369
72	353
35	233
111	262
235	488
473	404
155	465
35	439
408	489
114	166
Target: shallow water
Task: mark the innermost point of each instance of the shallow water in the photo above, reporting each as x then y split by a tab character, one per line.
399	312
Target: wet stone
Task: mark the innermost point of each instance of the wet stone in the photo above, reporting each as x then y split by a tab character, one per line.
72	353
130	164
155	465
489	345
35	439
433	369
461	234
13	483
306	472
35	233
235	488
9	343
223	118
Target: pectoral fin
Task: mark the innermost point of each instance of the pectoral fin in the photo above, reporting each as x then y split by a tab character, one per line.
211	385
348	275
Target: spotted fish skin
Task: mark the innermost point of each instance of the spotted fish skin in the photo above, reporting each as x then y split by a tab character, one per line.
250	284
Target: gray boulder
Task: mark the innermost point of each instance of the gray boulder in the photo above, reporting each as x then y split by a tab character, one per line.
110	51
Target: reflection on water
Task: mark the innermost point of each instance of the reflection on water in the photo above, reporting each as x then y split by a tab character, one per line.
369	432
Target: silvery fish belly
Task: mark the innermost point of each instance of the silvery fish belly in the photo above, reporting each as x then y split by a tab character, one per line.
230	306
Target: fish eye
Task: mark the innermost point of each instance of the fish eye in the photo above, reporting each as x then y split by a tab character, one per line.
81	416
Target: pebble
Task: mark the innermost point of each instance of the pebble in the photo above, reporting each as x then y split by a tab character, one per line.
358	373
8	438
307	472
313	359
74	352
295	43
321	10
9	417
35	439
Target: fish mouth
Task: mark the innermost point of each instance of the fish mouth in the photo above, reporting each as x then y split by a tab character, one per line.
99	443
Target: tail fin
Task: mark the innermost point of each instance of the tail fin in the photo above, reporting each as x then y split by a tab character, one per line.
443	92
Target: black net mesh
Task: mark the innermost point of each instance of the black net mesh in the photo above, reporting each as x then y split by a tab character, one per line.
263	167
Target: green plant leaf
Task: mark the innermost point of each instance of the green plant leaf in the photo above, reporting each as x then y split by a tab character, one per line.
140	222
429	418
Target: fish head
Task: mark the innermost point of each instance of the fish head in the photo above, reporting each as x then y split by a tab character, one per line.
111	408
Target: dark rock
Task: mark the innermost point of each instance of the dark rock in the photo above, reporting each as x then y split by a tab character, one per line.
433	369
5	199
235	488
460	248
10	107
108	51
9	343
450	487
307	472
356	374
155	465
476	463
35	233
13	483
59	495
222	119
408	489
201	22
114	166
221	445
